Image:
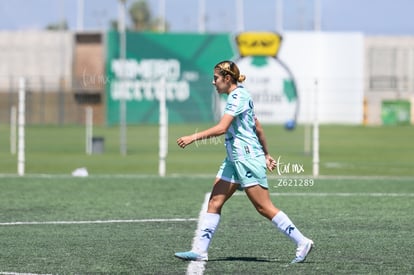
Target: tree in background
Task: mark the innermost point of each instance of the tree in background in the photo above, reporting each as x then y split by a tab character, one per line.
142	20
62	25
141	17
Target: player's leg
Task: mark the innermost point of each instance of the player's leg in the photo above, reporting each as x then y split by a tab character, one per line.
252	175
223	189
260	199
259	196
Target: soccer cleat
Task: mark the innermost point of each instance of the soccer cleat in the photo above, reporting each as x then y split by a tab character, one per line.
302	251
191	256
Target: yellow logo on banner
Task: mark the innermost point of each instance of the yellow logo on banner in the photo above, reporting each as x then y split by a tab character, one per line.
258	43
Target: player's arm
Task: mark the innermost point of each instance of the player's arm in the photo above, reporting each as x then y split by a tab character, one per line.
217	130
270	162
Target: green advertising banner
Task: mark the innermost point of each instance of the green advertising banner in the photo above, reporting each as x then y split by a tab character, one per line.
181	65
184	62
396	112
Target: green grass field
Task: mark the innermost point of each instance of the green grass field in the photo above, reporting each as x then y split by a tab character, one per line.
344	150
359	225
123	218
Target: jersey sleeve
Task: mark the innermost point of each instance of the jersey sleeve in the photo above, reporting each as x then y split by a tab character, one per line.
235	104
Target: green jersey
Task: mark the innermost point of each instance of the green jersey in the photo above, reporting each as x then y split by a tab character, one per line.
241	140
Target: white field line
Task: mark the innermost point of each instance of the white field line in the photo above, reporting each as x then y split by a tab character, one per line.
206	176
345	194
327	194
97	221
15	273
198	267
204	209
89	222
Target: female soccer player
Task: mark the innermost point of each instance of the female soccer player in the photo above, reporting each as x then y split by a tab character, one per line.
243	168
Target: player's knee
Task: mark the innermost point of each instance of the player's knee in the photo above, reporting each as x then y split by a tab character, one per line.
260	209
265	211
215	205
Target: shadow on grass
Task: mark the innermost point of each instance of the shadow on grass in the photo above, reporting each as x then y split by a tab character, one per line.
243	259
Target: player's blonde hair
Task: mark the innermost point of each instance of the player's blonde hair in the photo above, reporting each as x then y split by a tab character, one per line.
230	68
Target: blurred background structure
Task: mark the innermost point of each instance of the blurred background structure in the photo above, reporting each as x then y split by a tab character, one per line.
61	48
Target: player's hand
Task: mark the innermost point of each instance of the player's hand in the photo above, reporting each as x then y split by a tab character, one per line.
270	163
184	141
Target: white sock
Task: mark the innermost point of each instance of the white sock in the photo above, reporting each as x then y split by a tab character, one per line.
282	221
205	232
